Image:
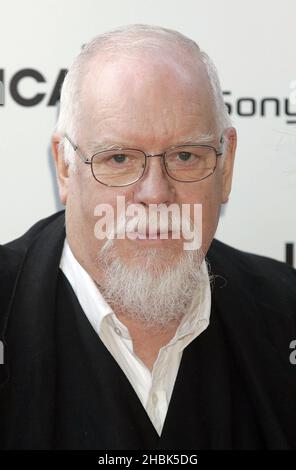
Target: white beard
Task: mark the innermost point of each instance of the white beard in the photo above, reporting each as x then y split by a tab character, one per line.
156	291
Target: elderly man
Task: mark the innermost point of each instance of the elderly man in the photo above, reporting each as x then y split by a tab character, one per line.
134	342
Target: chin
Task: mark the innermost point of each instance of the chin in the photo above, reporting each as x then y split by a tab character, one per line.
151	257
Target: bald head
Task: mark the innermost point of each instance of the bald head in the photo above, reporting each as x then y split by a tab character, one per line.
147	96
149	62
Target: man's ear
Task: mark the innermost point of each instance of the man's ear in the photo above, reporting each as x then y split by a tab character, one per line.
228	162
62	169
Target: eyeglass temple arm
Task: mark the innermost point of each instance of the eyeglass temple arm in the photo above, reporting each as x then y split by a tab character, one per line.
75	148
221	151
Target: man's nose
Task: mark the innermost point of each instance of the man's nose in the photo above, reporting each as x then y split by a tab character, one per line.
155	186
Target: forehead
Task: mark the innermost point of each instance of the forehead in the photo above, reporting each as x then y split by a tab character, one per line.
145	97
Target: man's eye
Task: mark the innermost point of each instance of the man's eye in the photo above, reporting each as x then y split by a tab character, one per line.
184	156
119	158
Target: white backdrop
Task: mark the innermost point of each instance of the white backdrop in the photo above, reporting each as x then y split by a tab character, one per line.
253	46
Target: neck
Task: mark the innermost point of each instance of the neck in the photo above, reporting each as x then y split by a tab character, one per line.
148	340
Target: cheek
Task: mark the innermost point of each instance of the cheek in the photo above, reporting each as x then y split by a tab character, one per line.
84	195
98	202
211	213
206	193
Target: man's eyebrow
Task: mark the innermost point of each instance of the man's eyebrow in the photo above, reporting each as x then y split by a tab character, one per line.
101	146
207	138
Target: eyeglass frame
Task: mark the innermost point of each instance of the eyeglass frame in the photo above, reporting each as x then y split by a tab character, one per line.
88	161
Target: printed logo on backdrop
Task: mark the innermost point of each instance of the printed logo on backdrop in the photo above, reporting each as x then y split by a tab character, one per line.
1	93
12	87
244	106
273	106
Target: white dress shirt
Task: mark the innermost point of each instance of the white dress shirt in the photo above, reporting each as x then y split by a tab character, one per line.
155	388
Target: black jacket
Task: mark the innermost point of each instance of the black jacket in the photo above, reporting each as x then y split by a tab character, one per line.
236	387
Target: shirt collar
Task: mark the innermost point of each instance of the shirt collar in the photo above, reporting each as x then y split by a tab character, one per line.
87	292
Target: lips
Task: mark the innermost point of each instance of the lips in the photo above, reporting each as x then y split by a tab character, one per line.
152	235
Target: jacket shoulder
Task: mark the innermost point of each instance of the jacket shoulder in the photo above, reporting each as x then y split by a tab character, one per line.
22	243
269	282
12	255
250	262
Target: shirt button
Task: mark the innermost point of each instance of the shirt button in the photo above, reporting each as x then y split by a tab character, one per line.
118	331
